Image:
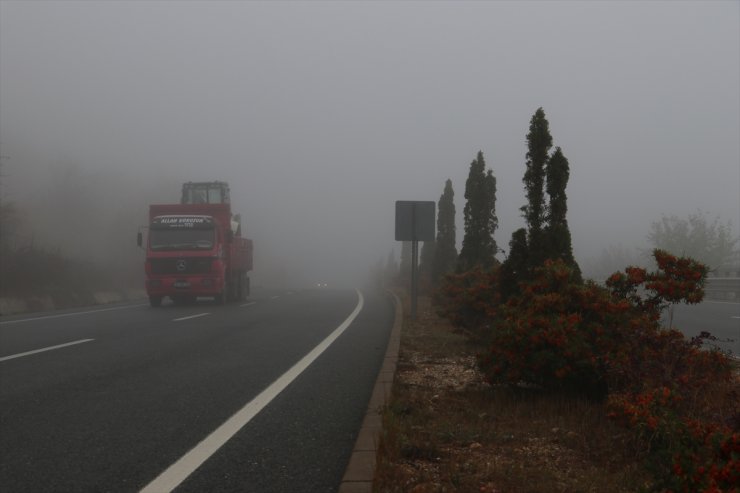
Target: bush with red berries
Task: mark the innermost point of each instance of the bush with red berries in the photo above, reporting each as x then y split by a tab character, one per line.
607	342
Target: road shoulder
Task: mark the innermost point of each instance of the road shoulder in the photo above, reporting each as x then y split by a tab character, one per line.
358	478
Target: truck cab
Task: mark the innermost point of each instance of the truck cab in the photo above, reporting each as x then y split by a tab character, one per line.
195	248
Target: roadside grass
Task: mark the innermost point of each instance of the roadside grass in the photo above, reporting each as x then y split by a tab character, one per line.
446	430
34	273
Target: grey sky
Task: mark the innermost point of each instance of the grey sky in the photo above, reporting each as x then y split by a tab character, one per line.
322	114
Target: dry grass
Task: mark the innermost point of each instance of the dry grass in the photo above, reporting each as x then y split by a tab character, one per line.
445	430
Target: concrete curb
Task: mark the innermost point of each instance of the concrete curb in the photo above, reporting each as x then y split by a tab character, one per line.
358	478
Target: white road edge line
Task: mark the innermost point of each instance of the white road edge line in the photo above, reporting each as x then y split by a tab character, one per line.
50	348
249	304
275	297
71	314
174	475
191	316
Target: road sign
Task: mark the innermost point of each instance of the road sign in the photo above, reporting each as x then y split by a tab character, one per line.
415	220
414	223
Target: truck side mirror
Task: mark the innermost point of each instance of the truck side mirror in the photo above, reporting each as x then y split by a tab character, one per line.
139	239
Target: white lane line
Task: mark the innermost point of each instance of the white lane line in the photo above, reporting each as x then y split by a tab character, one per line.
275	297
734	317
722	302
50	348
70	314
191	316
249	304
174	475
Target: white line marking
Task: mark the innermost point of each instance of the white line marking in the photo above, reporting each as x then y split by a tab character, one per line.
734	317
249	304
191	316
174	475
722	302
70	314
50	348
275	297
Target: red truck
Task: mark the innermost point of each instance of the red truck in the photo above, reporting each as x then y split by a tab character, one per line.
195	248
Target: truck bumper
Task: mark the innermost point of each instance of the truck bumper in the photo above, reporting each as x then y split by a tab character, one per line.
184	286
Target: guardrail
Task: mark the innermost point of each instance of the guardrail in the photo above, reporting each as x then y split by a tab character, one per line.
722	288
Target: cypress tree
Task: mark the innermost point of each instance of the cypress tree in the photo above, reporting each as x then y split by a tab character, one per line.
516	266
547	235
557	233
557	176
479	247
491	211
445	251
539	142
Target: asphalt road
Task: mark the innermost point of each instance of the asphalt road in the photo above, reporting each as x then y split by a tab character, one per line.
721	319
140	387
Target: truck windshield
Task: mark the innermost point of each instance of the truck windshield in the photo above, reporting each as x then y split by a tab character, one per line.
181	239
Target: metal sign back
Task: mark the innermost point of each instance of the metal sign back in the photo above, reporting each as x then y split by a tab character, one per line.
415	220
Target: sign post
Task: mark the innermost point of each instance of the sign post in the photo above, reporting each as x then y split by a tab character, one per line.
414	223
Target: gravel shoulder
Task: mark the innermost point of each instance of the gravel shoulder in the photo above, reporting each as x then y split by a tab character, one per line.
446	430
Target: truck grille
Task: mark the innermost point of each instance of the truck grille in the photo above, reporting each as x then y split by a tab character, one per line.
195	265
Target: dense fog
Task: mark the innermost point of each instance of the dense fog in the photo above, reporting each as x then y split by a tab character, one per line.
321	115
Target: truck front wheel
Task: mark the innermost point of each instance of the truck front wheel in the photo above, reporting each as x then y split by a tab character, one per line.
155	301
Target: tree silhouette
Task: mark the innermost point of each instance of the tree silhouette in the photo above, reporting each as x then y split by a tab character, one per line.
547	235
539	142
516	266
479	248
445	251
710	242
557	237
